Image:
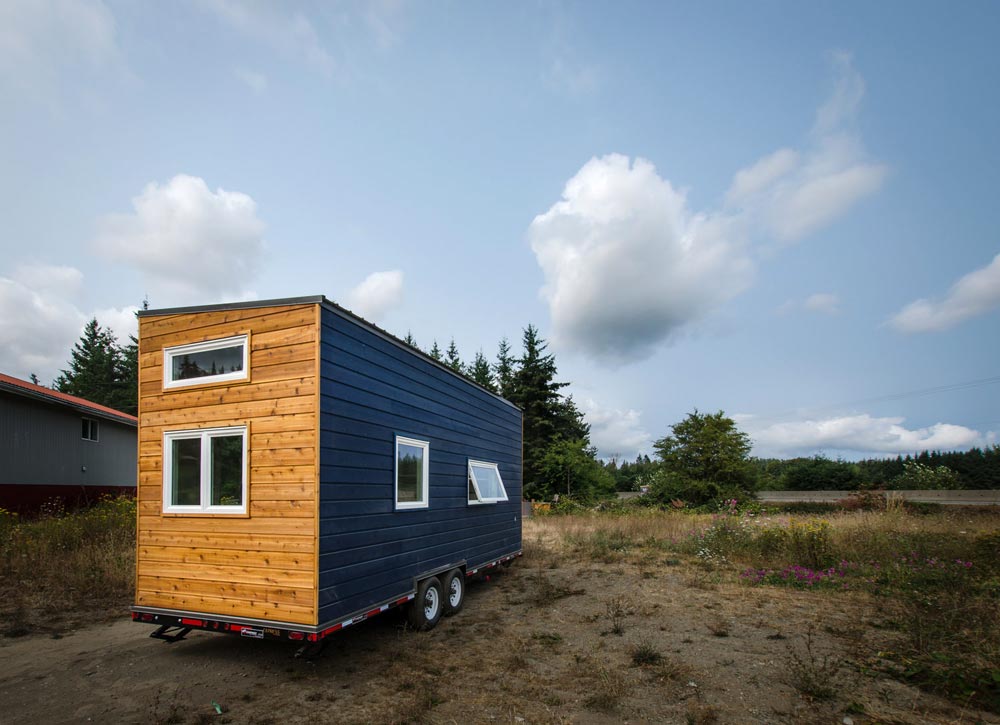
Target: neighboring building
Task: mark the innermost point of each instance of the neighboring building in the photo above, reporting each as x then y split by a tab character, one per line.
54	445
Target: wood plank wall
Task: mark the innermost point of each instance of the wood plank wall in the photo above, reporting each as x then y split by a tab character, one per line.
264	565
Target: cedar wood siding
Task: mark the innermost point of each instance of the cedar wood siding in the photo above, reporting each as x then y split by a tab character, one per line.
261	565
371	390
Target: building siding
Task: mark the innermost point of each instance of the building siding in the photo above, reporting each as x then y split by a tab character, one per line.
262	565
41	444
371	390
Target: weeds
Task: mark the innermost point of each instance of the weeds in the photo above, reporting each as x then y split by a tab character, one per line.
62	562
617	607
646	654
813	676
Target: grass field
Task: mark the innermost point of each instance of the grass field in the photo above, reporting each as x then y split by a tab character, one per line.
888	616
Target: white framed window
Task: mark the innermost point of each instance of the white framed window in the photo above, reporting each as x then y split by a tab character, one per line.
412	473
205	471
485	484
206	362
89	429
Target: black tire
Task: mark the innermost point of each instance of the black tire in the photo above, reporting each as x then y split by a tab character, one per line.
454	592
426	608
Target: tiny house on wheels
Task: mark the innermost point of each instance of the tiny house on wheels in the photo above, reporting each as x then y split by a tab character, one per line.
301	470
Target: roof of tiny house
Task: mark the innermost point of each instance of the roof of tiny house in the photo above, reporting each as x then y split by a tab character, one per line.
39	392
333	307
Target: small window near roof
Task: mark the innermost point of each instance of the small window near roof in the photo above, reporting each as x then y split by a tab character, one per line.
89	429
205	362
412	469
485	484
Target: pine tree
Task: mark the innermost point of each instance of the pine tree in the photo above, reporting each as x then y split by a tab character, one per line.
452	358
435	351
410	341
95	367
480	372
547	416
127	381
503	369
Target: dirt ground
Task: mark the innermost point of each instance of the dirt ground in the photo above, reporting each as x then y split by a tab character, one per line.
551	640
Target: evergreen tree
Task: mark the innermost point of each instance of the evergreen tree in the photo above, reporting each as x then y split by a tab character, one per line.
452	358
480	372
127	381
503	369
435	351
547	416
410	341
34	379
95	367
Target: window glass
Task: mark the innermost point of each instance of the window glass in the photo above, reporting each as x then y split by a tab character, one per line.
185	472
204	471
412	465
205	362
485	484
89	429
227	470
211	362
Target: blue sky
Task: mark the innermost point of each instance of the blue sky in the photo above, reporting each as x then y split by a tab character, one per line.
781	210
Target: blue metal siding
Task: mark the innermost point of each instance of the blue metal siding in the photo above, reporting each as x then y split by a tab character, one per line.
372	390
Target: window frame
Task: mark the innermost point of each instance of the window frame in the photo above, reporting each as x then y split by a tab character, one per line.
169	353
93	430
481	500
205	435
424	501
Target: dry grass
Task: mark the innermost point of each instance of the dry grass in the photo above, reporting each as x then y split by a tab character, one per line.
63	569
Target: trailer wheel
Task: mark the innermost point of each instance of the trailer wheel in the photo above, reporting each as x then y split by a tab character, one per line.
426	608
454	592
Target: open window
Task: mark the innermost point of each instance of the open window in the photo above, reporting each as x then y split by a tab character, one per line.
412	469
485	484
204	471
199	363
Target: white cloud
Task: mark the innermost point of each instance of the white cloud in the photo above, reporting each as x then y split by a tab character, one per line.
376	295
748	182
976	293
41	39
627	263
291	33
256	82
861	434
191	244
824	302
40	321
790	194
615	432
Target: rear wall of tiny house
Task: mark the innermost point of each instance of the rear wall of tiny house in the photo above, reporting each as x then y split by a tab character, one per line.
262	564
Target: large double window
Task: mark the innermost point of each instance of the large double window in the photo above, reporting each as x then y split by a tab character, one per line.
204	471
200	363
412	473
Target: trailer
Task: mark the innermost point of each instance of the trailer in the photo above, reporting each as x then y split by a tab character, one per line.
301	470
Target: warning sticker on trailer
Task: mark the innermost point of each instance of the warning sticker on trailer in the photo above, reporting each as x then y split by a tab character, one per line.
251	632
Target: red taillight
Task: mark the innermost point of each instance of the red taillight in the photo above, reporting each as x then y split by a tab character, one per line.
295	635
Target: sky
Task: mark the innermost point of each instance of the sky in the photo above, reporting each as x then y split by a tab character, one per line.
786	211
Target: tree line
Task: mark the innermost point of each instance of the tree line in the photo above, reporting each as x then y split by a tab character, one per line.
704	458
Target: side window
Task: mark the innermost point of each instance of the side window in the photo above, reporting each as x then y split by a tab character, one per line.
485	484
206	362
90	429
412	466
204	471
